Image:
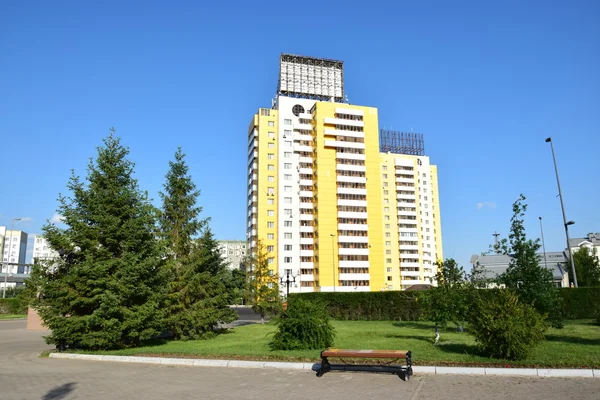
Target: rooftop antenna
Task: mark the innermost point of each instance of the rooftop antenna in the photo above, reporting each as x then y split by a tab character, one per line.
496	234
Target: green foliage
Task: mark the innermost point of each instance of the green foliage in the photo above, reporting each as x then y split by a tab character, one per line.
107	289
580	303
263	284
506	328
303	325
532	282
236	282
587	267
449	301
369	306
13	306
15	291
199	299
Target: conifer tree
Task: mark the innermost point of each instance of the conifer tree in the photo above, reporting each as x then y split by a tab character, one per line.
198	298
262	283
107	288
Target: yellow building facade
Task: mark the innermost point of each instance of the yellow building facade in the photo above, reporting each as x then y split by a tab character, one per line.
334	205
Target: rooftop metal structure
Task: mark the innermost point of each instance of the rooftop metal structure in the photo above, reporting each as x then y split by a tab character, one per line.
311	78
401	142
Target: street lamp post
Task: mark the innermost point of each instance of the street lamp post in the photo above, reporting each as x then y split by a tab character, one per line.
543	244
12	225
333	258
288	281
562	205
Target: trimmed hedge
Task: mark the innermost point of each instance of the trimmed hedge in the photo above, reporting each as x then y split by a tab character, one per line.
13	306
369	306
580	303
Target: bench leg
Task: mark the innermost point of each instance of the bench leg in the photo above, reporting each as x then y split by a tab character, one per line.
325	367
409	370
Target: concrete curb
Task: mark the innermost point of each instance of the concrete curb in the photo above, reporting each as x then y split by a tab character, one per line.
553	373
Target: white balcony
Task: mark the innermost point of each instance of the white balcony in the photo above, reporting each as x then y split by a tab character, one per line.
307	253
340	144
300	136
409	264
405	180
407	221
349	111
352	214
355	203
345	122
353	239
307	241
353	252
303	127
406	256
307	265
307	228
406	188
305	159
354	277
339	132
353	227
253	221
353	264
308	206
404	213
406	197
409	247
349	167
307	277
405	162
350	156
306	193
306	217
301	147
352	179
342	190
306	182
305	116
308	171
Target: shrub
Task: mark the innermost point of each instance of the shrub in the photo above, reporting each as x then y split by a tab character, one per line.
13	306
303	325
369	306
505	328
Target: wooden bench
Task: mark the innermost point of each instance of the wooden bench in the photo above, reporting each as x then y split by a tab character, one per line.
370	354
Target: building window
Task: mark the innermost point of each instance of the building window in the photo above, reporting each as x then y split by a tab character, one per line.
387	217
287	247
287	260
270	236
271	178
384	167
287	189
270	213
384	176
271	145
388	260
386	201
271	190
287	212
287	133
287	121
387	234
287	154
270	201
385	184
387	226
270	260
388	252
271	167
288	144
271	156
287	177
270	224
272	135
388	243
271	123
287	235
270	248
287	224
386	209
389	269
386	192
287	166
287	200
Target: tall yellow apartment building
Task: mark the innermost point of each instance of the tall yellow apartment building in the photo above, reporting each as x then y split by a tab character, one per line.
340	204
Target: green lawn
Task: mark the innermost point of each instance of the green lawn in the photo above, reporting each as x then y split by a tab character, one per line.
12	316
575	346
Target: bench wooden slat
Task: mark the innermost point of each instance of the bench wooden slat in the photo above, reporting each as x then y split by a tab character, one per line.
364	353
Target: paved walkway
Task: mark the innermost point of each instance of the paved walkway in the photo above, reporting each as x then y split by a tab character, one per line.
24	376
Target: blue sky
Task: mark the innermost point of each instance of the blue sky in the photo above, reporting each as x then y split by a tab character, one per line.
485	82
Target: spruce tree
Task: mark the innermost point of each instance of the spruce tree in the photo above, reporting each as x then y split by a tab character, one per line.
198	299
106	290
263	285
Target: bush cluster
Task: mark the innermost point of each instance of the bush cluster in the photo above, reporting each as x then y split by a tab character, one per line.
13	306
506	328
303	325
580	303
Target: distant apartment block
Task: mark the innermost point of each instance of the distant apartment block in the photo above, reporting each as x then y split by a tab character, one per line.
233	252
42	249
14	250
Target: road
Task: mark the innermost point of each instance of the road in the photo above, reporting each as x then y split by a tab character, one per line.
25	376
